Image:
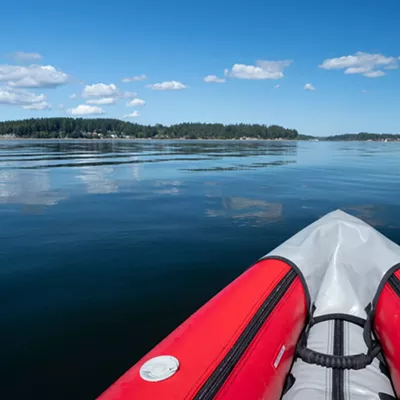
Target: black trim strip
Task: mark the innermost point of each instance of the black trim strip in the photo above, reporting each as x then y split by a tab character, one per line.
299	274
384	396
394	282
382	284
226	366
338	350
384	369
343	317
289	382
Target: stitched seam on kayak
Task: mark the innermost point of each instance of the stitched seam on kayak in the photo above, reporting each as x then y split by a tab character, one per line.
331	352
235	372
393	293
216	380
383	282
338	374
256	338
327	370
235	336
299	273
394	283
253	344
348	352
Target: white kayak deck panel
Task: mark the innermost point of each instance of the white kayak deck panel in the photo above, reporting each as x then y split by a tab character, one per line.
343	261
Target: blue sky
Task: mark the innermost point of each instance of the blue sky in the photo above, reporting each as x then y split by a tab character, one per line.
348	51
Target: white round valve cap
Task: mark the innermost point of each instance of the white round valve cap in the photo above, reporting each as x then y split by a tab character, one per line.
159	368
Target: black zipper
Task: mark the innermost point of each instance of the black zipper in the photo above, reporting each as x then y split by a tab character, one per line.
226	366
338	350
394	282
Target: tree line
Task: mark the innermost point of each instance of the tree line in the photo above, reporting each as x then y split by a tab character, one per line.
363	136
54	128
60	128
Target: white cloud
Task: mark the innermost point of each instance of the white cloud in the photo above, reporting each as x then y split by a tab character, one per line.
19	97
374	74
136	103
103	101
310	87
362	63
277	86
214	79
73	96
60	106
102	94
129	95
32	76
43	105
392	67
100	90
84	109
134	114
22	56
172	85
262	70
134	78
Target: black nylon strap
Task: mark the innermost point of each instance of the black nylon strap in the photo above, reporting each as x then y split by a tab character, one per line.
341	317
356	361
338	350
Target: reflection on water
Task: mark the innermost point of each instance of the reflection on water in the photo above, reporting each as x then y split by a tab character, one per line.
98	180
136	170
167	187
46	172
370	213
245	210
21	187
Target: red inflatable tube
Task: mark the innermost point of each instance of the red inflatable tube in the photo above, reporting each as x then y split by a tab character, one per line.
239	345
387	326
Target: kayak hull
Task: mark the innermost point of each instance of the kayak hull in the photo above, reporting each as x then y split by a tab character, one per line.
317	318
248	333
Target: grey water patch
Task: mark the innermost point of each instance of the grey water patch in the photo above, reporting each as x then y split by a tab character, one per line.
241	167
102	163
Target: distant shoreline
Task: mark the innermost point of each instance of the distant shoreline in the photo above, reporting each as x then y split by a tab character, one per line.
108	139
60	128
158	139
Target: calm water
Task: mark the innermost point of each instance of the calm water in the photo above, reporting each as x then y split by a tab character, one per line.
105	247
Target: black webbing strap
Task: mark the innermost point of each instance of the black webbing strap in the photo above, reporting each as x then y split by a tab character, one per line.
343	317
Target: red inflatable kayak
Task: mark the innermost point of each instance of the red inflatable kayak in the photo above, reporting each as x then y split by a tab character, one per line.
317	318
